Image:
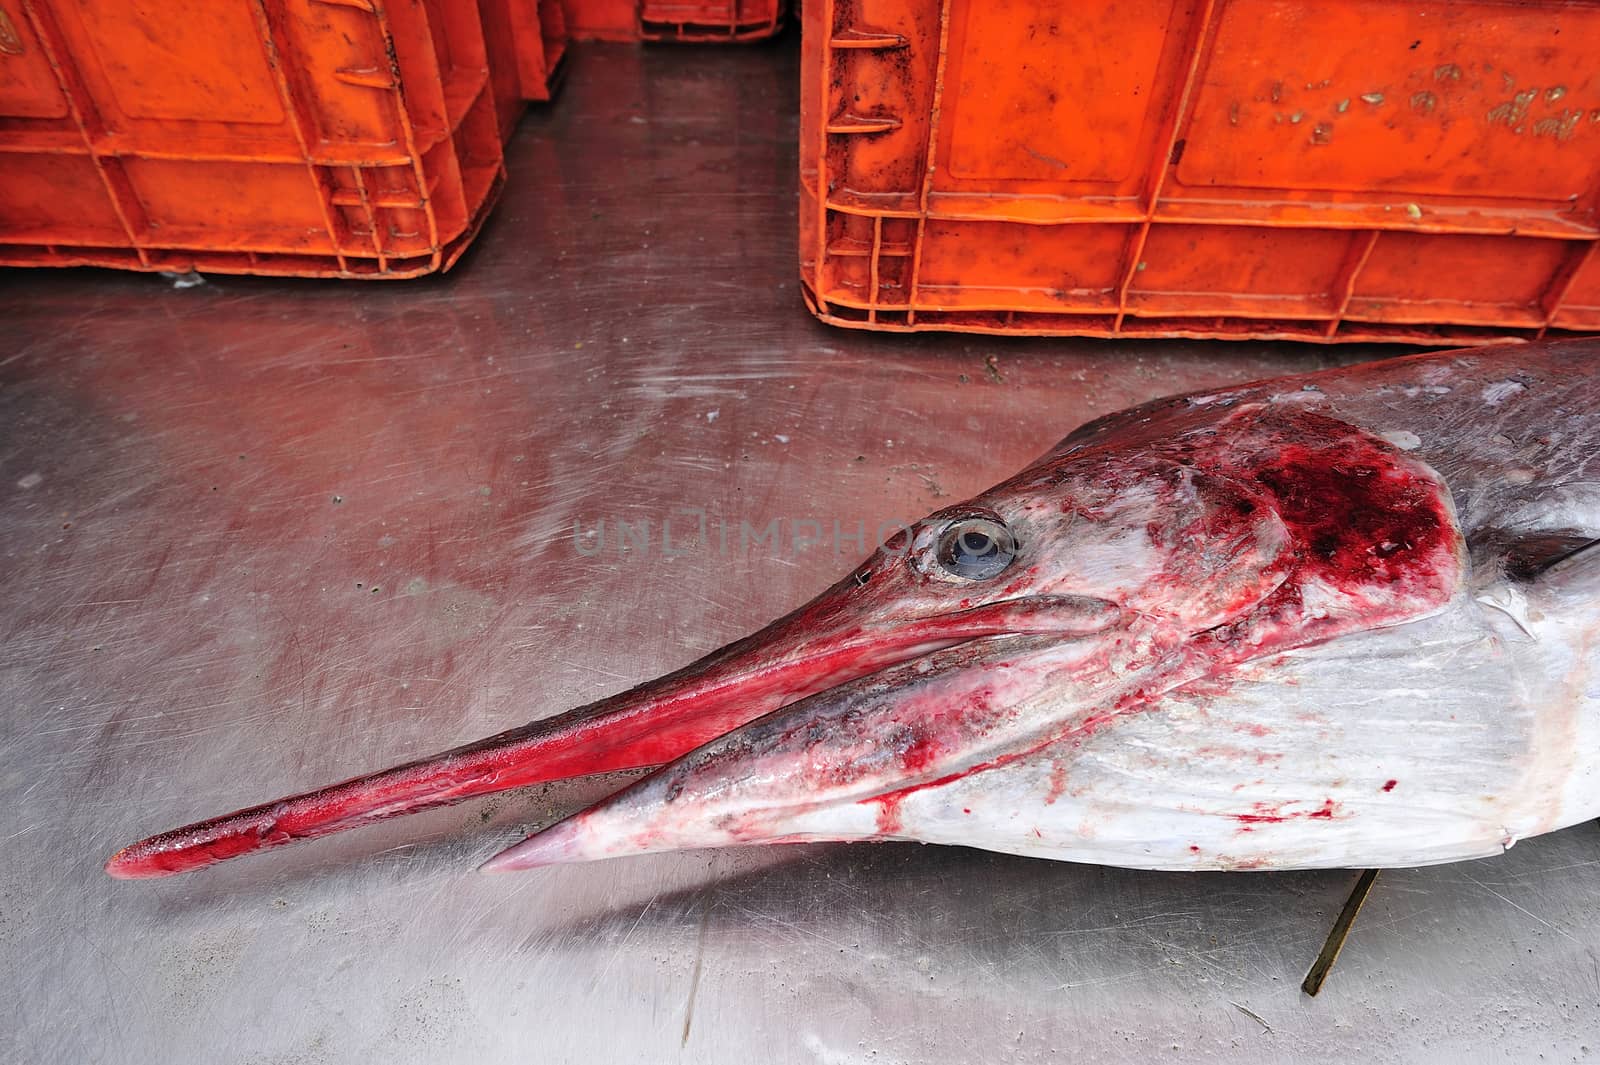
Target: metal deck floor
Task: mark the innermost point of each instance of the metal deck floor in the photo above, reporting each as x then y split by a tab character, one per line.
262	535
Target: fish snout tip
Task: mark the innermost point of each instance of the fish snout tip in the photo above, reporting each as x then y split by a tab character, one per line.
131	863
560	844
118	868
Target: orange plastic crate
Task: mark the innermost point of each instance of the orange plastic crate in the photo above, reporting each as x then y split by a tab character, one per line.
349	138
674	20
526	41
1323	170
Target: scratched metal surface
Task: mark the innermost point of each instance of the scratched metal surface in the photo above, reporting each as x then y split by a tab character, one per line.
256	536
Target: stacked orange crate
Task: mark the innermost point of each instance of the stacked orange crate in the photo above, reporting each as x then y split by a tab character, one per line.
527	46
710	20
674	20
1320	170
350	138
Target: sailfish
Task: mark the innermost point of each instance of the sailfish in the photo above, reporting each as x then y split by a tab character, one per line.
1344	619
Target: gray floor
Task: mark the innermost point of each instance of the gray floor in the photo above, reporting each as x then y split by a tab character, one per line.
262	535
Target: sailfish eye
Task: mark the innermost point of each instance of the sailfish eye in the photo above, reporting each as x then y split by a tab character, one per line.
976	548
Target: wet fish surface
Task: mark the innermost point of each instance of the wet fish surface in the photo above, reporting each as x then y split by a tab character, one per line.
1349	618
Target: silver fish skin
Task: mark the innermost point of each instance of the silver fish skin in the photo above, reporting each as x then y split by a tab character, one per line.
1349	618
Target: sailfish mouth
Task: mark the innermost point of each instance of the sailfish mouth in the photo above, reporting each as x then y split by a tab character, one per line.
939	712
830	642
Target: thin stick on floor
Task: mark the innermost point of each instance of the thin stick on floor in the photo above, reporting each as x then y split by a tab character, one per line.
1338	933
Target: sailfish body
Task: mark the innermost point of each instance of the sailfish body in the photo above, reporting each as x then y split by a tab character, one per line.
1345	619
